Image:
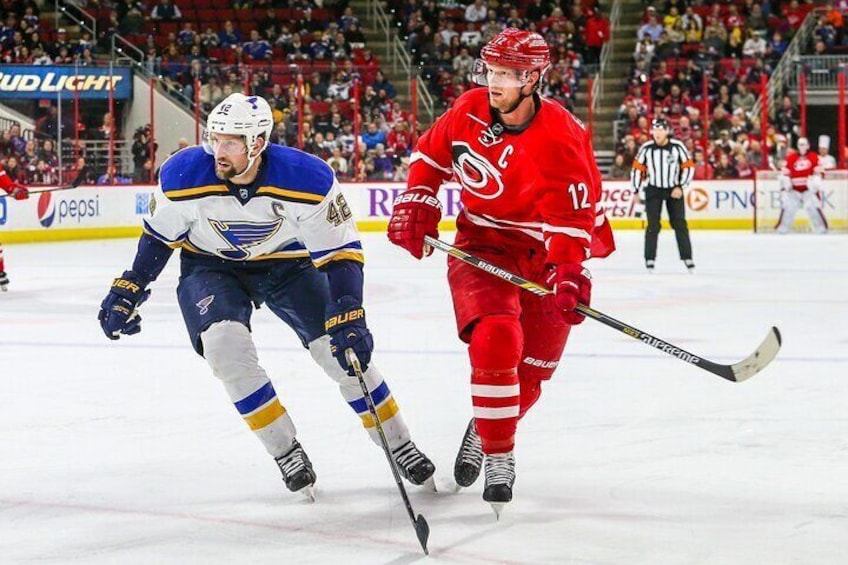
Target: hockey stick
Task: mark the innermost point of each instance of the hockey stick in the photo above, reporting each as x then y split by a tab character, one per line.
74	184
422	528
737	372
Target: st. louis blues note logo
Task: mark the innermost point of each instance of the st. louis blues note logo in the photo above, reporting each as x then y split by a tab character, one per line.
241	236
204	304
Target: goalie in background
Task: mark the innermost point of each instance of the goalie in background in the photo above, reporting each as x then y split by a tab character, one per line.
800	183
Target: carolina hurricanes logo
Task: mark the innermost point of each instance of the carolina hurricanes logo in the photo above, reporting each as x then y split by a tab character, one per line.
477	175
802	164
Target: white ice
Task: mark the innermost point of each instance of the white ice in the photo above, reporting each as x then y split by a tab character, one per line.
129	452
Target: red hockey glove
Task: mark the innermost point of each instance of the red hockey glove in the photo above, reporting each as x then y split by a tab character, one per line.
416	213
571	284
19	192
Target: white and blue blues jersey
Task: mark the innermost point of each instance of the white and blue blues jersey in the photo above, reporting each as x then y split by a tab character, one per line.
294	209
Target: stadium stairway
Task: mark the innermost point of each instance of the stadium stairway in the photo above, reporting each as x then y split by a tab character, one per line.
375	40
614	85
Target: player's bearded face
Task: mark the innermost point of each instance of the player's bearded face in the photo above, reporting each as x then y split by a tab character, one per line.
230	155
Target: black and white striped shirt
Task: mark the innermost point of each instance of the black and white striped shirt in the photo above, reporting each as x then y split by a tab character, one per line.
662	166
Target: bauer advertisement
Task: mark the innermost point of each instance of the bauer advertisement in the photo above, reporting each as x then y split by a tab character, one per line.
117	211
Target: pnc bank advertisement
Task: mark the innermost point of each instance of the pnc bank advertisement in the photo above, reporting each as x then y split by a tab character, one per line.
117	211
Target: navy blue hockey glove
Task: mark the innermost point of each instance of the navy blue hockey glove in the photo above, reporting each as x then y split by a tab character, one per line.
118	311
345	324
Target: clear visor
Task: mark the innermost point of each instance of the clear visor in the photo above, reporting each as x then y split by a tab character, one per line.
495	75
217	145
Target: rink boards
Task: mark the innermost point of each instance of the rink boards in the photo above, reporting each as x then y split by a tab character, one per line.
117	211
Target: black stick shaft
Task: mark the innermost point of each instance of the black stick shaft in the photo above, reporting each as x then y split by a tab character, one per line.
422	529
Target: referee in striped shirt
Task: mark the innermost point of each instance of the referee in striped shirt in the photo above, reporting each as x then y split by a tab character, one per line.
664	168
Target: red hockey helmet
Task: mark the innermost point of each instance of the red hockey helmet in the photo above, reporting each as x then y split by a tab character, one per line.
518	49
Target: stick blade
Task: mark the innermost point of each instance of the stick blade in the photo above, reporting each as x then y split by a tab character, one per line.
760	358
422	530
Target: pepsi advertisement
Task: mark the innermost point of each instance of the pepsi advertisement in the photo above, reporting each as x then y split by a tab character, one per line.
81	213
88	83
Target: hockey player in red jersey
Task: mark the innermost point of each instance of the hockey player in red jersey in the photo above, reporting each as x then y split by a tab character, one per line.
530	196
18	192
800	180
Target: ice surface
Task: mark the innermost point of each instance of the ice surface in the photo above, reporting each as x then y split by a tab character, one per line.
129	452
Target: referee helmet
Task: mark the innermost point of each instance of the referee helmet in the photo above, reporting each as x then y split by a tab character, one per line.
657	123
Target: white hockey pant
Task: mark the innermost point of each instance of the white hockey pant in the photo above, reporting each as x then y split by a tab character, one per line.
387	409
228	348
793	201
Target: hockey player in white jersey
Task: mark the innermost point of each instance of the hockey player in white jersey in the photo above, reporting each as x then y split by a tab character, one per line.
260	223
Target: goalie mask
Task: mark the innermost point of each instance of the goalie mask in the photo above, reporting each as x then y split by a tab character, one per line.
246	116
803	145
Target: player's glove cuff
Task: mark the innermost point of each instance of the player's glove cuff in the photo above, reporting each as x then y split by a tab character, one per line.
345	324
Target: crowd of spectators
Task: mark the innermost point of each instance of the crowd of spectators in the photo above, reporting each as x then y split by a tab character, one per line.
697	57
445	39
204	52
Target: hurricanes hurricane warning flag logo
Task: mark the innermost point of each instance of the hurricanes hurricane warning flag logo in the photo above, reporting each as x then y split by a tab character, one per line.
241	236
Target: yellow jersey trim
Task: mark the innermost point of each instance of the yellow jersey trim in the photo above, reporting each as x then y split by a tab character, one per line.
292	195
197	192
344	255
384	412
265	416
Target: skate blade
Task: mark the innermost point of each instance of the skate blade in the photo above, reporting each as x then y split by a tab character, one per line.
308	492
430	485
497	507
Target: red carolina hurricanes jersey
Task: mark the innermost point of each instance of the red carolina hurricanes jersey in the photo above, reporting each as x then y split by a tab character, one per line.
5	182
799	168
540	183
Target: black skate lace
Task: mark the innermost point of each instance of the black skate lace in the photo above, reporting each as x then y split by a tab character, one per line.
408	456
471	450
291	462
500	469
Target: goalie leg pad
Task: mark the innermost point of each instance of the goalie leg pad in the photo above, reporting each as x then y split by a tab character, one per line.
495	351
789	207
388	411
813	206
231	354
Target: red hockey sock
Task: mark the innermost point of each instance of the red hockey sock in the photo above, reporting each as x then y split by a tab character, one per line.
495	393
2	264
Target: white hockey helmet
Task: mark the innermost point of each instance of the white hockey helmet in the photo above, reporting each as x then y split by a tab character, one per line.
803	145
248	116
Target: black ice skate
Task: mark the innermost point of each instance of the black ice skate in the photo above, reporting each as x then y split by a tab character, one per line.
469	459
500	476
650	264
690	265
297	471
4	281
413	465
